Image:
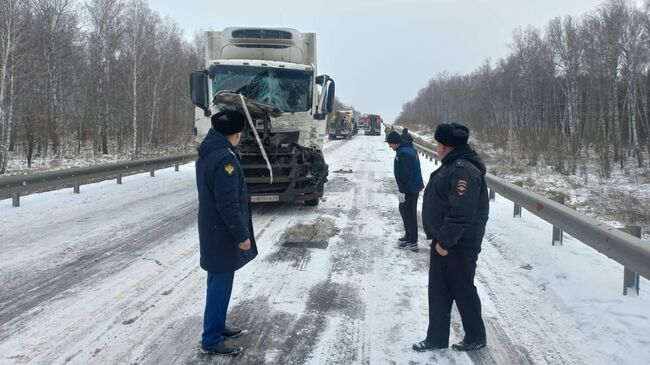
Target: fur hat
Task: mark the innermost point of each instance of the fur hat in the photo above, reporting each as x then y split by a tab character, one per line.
451	134
228	122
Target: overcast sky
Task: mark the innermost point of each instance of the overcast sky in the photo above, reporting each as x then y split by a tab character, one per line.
381	52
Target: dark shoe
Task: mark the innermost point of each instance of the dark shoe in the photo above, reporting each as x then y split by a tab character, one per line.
403	244
222	348
232	332
425	345
414	247
403	239
472	346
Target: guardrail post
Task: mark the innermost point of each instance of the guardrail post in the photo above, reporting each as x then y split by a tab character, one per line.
517	211
176	167
558	235
76	187
119	179
15	200
630	278
152	173
491	192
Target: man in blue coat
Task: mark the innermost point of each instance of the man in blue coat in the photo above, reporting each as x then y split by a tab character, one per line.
409	183
226	237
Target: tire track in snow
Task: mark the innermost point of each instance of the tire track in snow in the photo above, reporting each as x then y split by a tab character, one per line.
17	304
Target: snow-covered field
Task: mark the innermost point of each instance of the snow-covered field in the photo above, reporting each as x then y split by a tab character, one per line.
111	276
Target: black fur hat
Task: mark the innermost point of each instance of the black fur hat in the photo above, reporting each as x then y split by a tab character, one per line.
228	122
451	134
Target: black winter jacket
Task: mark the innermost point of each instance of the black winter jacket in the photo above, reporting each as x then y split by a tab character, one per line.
455	206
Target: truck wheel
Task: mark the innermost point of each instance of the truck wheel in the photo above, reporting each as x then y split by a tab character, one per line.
312	202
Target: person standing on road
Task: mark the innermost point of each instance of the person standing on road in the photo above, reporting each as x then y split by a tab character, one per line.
387	131
406	137
226	237
454	213
409	183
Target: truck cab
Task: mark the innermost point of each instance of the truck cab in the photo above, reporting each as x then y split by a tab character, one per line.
270	73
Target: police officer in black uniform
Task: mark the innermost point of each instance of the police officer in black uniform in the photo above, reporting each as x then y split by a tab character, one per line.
226	237
454	213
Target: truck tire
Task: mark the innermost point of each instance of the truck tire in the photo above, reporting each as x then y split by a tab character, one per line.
312	202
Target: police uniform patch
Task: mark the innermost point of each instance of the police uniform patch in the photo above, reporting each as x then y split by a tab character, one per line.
229	169
461	187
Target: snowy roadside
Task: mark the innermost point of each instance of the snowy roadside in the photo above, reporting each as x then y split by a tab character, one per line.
17	162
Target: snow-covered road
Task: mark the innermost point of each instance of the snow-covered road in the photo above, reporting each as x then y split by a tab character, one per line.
111	276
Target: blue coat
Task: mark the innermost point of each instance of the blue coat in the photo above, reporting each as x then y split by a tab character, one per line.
407	169
224	210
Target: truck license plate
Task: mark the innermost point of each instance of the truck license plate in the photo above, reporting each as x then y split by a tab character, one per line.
265	198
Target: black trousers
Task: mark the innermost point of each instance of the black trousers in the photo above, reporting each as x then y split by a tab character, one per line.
409	212
451	278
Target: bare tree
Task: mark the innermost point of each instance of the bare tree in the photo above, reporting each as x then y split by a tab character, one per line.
140	26
109	71
104	38
580	87
11	35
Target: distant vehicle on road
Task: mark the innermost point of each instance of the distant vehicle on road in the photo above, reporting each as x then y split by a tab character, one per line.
373	125
342	124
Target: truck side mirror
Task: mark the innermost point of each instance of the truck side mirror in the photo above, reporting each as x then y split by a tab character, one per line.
199	91
330	96
326	102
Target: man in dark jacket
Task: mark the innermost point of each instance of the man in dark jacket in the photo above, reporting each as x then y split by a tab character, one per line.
406	137
409	183
454	214
226	236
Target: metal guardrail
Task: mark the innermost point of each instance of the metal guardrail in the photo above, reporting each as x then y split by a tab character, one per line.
622	247
20	185
630	251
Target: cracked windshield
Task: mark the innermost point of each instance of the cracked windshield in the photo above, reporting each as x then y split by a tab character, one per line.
287	90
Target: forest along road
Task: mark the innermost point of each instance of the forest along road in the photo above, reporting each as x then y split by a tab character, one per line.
111	276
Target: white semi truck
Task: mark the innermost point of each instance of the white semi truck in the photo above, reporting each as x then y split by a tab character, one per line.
270	74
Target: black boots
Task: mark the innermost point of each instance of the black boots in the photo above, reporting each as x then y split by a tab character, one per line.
222	348
472	346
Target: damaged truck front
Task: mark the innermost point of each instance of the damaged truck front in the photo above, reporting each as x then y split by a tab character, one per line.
270	75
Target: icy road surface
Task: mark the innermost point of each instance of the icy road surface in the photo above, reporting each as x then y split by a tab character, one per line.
111	276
